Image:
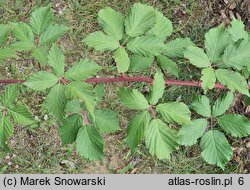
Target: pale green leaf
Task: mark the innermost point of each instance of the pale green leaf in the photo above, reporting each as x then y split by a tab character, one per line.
237	30
136	128
106	121
41	55
101	42
100	92
160	139
22	46
82	70
23	32
112	22
69	128
73	106
56	60
235	125
157	89
168	65
233	80
222	104
197	57
189	134
41	19
122	60
41	80
52	33
4	31
7	53
215	148
132	99
175	112
208	79
140	63
9	95
89	143
146	46
6	130
163	26
201	105
139	20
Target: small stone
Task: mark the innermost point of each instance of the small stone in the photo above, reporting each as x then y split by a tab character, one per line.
45	117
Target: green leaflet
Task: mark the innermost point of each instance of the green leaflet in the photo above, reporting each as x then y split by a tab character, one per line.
41	80
112	22
190	133
9	95
132	99
233	80
197	57
201	105
136	128
106	120
56	60
6	130
157	89
169	65
122	60
208	79
22	46
146	46
23	32
235	125
89	143
7	53
69	128
175	48
41	18
73	106
41	55
160	139
175	112
100	92
140	63
56	101
139	20
101	42
237	30
163	26
52	33
4	30
82	70
216	40
215	148
222	104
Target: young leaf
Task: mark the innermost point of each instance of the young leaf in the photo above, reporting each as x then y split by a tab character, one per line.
233	80
201	105
132	99
160	139
9	95
175	112
6	130
169	65
122	60
55	102
69	128
157	89
52	33
140	63
4	30
235	125
73	106
106	121
21	115
237	30
222	104
56	60
139	20
136	128
175	48
89	143
41	81
146	45
216	40
82	70
112	22
190	133
197	57
163	26
101	42
41	55
83	91
215	148
23	32
208	79
41	18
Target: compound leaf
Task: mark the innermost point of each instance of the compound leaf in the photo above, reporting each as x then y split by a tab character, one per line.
197	57
157	89
122	60
56	60
222	104
201	105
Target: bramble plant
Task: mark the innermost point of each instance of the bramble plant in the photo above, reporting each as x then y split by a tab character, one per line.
137	41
